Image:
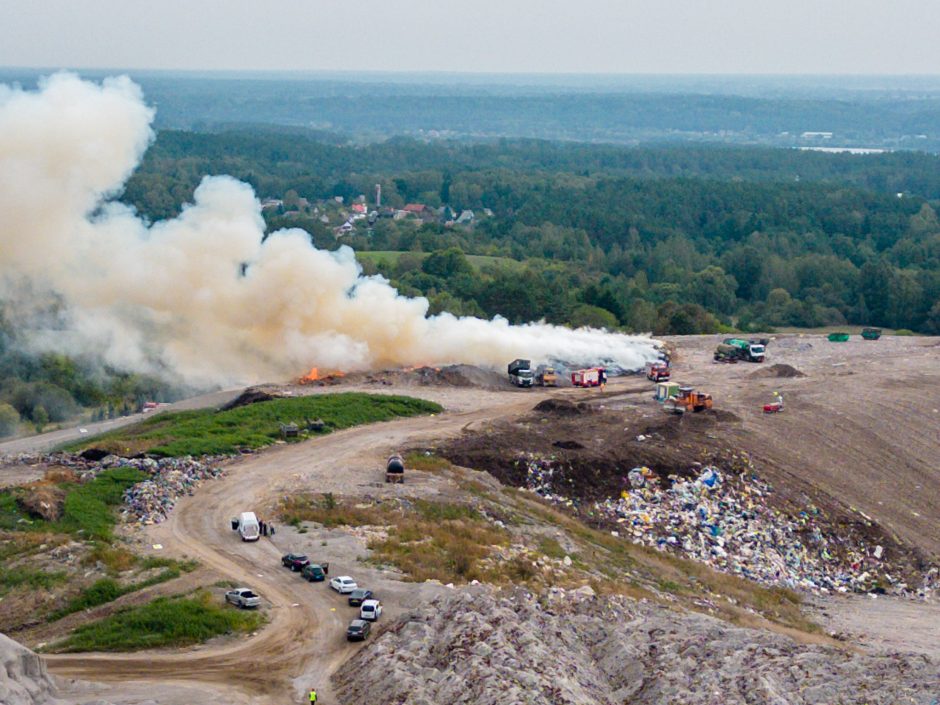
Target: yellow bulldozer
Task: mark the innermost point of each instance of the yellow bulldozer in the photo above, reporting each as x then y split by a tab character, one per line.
687	400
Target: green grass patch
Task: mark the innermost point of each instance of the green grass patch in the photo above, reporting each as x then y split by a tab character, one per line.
210	432
108	590
88	509
391	257
175	621
29	577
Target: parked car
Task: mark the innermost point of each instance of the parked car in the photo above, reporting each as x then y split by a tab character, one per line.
371	610
314	572
242	597
295	561
358	596
343	584
358	630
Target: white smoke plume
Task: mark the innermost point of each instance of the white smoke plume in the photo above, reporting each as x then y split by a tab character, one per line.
204	295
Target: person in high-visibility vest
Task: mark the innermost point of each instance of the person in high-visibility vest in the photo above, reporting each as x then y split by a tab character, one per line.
313	695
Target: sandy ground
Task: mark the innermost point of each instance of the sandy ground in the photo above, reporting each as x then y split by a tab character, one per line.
304	640
862	427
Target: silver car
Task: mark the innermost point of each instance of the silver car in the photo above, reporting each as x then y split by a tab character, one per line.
242	597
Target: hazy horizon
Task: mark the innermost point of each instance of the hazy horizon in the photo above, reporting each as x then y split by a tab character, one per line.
608	37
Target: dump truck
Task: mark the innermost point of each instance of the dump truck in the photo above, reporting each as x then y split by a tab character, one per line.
395	469
871	333
545	376
520	373
740	349
657	371
687	400
590	377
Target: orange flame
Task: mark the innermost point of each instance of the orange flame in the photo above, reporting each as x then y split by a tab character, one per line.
314	376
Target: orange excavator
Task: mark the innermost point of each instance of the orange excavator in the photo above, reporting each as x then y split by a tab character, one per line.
687	400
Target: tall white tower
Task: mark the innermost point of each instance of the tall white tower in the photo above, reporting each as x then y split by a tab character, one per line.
378	195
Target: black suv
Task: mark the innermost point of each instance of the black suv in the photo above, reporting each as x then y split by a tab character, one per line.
295	561
358	630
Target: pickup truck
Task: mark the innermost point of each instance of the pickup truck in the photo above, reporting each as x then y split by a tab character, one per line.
242	597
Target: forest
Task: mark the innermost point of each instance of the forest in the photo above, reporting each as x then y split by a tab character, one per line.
673	239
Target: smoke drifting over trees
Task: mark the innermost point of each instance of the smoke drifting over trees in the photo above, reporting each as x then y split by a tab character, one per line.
205	296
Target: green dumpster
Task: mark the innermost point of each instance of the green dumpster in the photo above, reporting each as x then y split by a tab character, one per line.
838	337
871	333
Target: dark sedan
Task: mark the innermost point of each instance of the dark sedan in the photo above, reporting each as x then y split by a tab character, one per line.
295	561
357	597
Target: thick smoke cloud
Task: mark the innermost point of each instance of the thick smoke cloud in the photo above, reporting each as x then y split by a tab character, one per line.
203	295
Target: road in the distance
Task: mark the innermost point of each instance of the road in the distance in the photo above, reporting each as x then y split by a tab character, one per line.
47	441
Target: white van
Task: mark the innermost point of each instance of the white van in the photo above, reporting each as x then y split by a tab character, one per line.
248	527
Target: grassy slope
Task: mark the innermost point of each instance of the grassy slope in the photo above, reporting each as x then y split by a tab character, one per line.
176	621
88	511
209	432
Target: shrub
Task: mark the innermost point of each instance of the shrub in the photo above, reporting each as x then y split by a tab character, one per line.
176	621
9	420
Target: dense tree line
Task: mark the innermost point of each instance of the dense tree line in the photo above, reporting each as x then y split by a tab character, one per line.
672	239
37	389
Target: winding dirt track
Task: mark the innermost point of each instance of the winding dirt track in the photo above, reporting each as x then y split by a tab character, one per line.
304	637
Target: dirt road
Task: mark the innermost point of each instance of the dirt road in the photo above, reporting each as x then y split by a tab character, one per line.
304	637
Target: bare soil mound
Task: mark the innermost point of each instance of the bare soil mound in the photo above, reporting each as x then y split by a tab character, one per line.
450	376
562	407
606	651
778	371
249	396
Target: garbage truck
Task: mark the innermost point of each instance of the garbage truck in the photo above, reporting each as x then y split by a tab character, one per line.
733	349
520	373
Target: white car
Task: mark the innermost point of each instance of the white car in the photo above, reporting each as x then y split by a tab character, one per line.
370	610
343	584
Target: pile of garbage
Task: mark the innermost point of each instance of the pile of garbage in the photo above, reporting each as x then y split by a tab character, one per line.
726	521
147	502
150	501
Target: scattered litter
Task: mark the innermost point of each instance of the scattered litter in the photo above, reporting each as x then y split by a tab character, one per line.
147	502
158	547
726	521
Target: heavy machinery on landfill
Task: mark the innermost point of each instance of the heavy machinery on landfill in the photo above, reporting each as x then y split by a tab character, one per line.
395	469
734	349
590	377
545	376
520	373
687	400
665	390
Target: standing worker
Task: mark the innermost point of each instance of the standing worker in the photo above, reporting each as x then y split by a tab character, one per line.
313	695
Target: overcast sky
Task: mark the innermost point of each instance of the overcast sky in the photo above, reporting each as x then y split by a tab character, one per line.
543	36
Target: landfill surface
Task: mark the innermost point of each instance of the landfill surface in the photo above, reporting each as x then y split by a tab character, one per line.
574	648
724	520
